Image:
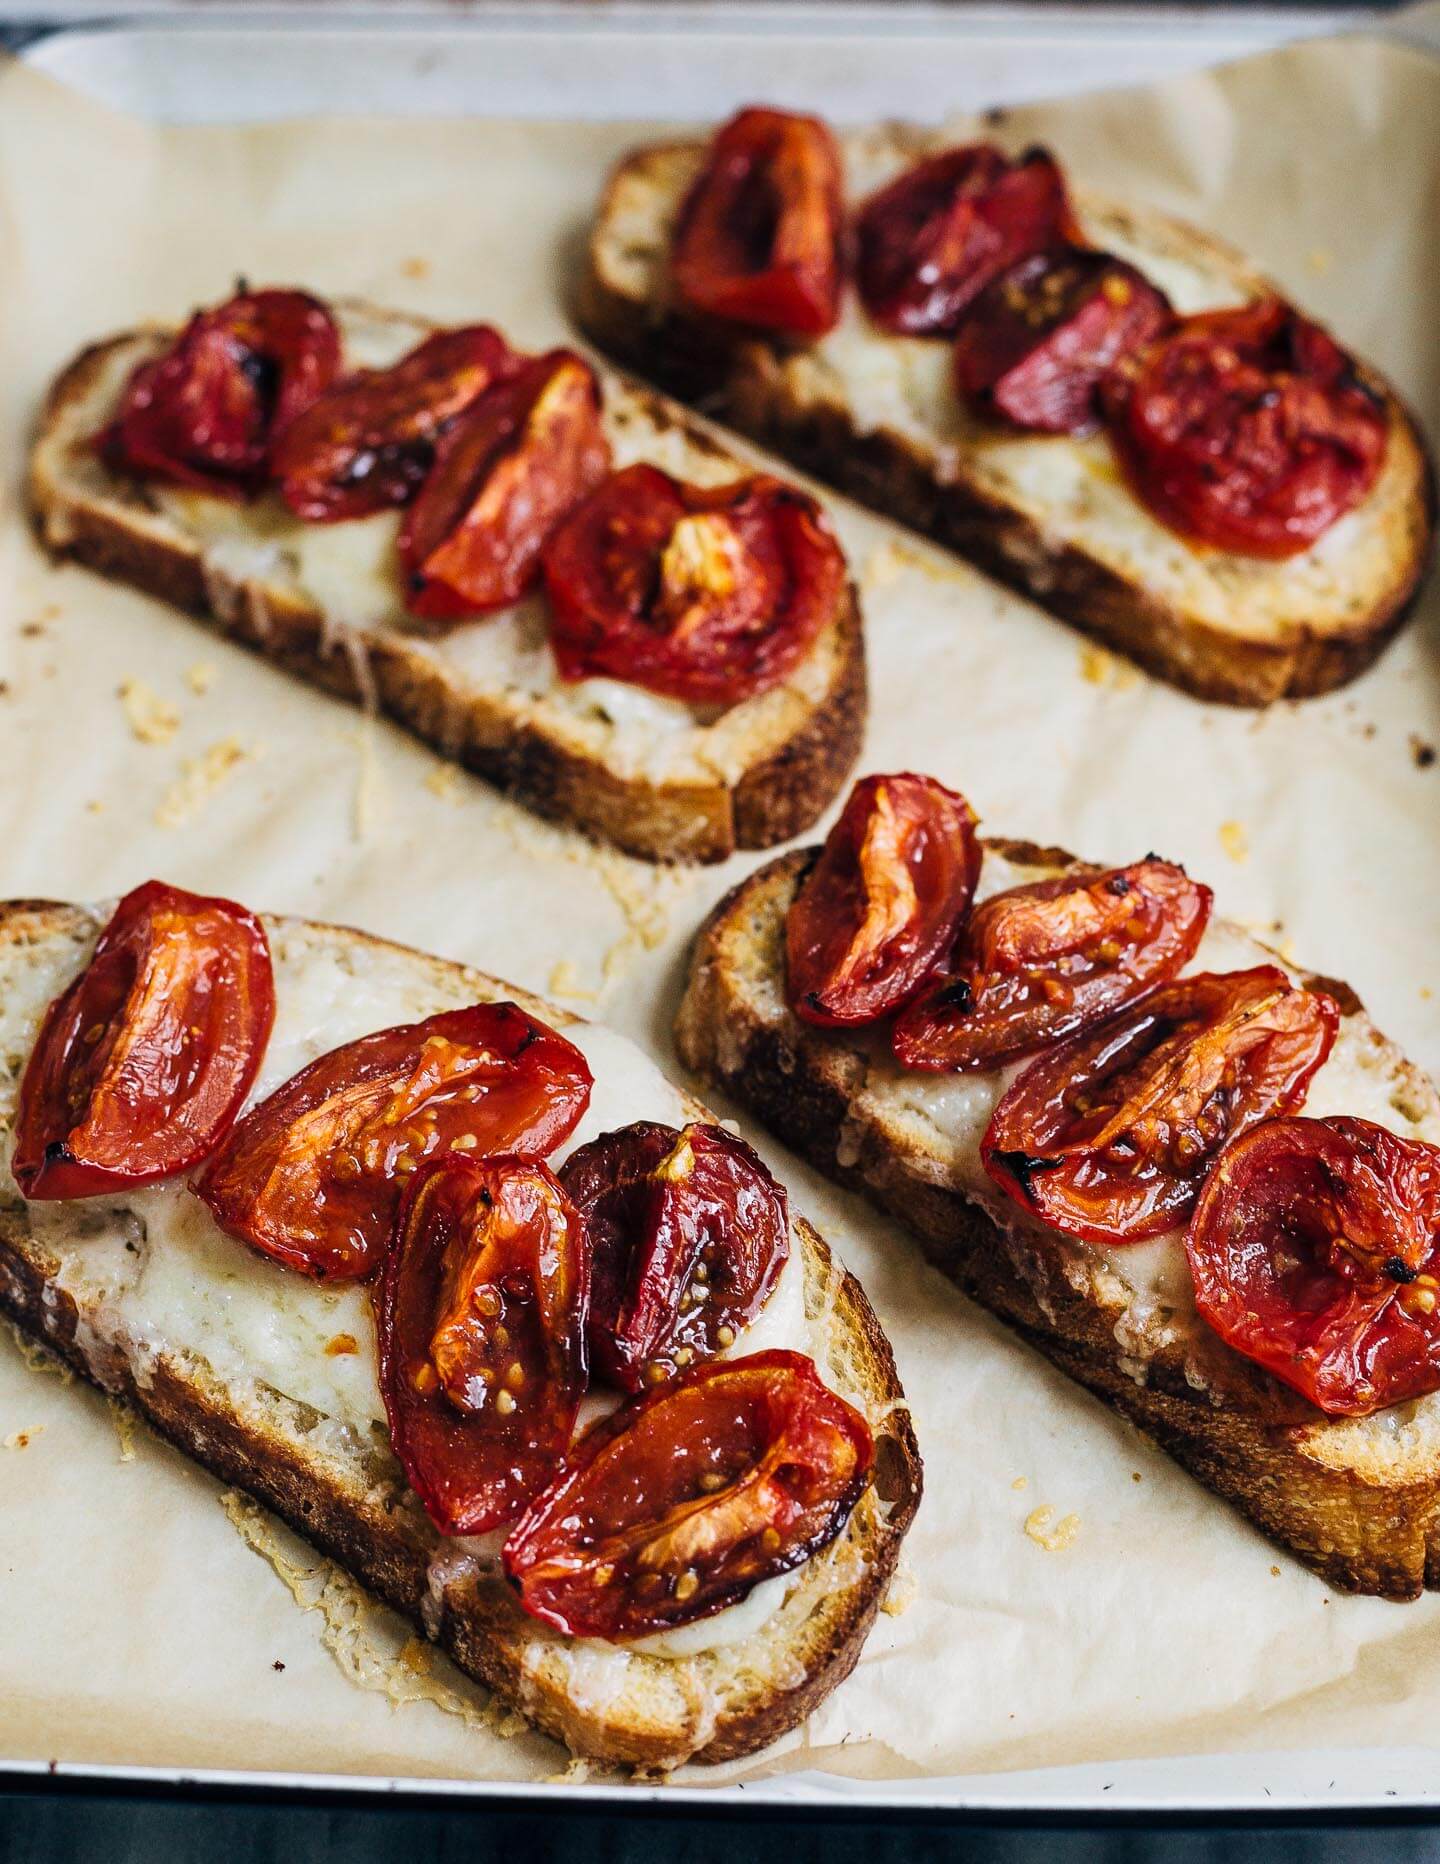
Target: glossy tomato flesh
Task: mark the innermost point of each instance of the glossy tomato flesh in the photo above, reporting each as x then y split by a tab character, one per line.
706	595
689	1233
933	239
686	1499
367	443
1034	347
204	413
1044	962
1109	1136
1249	430
758	235
480	1314
1315	1251
508	471
313	1175
881	907
143	1062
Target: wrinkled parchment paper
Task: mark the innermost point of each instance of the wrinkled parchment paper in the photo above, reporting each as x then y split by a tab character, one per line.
1139	1617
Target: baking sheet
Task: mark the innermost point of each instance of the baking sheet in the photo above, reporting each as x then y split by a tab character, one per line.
141	1628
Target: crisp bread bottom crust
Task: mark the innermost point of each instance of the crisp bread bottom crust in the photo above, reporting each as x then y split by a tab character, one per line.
1361	1530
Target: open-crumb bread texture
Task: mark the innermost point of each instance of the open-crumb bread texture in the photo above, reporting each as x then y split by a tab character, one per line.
1051	516
1358	1500
659	779
345	1492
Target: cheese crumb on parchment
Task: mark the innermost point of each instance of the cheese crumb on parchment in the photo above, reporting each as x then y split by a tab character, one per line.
1099	667
1053	1539
153	720
125	1421
22	1439
200	678
444	782
1235	840
199	779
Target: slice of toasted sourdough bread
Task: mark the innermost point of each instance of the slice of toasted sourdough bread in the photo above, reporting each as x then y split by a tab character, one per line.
224	1352
656	777
1356	1499
1052	516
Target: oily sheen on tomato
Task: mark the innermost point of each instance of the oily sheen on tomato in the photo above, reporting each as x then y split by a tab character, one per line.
367	443
686	1499
708	595
480	1314
205	412
1315	1252
511	467
1040	963
880	908
931	240
313	1175
758	236
1034	347
1249	430
1109	1136
143	1062
689	1233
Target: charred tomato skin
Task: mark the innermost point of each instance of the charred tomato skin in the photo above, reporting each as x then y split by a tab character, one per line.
1035	346
1108	1137
684	1500
1246	430
205	413
142	1063
759	236
880	909
480	1318
314	1174
367	443
931	240
1315	1253
509	470
1044	962
689	1234
708	595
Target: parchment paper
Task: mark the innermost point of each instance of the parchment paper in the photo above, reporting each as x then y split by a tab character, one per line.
137	1625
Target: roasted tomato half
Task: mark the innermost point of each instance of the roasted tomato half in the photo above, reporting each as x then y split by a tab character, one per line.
1044	962
880	909
757	240
932	239
510	468
686	1499
1036	344
142	1063
205	412
705	594
1109	1136
689	1233
313	1176
1250	430
369	441
481	1322
1315	1251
